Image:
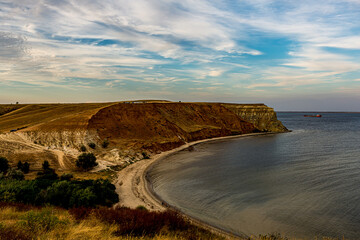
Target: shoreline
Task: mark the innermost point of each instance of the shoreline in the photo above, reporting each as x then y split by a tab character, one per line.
134	188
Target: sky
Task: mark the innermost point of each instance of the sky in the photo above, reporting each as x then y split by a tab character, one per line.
291	55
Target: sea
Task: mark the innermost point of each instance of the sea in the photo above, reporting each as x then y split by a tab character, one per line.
302	184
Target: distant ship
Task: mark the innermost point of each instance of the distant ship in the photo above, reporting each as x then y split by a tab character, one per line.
317	115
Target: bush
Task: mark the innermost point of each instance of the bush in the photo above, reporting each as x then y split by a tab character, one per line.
45	165
83	198
141	207
4	164
86	161
24	167
19	165
105	143
145	155
80	213
136	222
67	194
92	145
83	148
41	221
66	177
15	174
48	174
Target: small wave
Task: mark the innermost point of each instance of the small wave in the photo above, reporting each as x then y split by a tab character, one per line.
299	131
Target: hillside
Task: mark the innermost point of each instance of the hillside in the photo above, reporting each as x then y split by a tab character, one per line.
56	132
159	127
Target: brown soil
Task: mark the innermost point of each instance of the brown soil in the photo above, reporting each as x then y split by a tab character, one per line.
158	127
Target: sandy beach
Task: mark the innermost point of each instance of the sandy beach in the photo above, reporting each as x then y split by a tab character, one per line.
133	188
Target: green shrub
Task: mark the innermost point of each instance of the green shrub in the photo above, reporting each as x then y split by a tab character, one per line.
15	174
67	194
41	221
4	164
48	174
92	145
24	167
66	177
141	207
83	198
86	161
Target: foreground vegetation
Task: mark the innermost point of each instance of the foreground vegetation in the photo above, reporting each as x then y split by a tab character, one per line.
23	222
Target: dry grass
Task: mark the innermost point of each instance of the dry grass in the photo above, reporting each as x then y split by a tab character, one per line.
33	114
18	221
57	223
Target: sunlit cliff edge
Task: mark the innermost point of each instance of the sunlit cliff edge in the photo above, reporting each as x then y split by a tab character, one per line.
56	132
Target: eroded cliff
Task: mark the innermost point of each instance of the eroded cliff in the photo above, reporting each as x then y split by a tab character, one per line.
131	128
158	127
262	116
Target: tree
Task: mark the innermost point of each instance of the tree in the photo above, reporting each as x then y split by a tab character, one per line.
92	145
19	165
66	177
47	172
86	161
83	148
45	165
26	167
4	164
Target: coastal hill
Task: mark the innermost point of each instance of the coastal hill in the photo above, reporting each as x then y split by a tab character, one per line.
122	131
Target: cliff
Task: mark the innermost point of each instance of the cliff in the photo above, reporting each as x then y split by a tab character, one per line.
159	127
31	132
263	117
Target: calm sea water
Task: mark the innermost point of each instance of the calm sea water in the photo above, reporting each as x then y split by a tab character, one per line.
302	184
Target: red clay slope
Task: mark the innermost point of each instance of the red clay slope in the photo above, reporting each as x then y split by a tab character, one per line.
163	126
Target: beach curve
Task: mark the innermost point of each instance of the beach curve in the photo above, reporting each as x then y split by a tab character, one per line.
134	189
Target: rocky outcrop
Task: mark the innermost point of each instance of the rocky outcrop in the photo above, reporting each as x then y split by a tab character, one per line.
262	116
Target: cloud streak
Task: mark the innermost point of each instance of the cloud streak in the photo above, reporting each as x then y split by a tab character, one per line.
260	45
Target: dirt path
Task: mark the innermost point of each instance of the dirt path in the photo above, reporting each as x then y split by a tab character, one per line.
60	156
21	141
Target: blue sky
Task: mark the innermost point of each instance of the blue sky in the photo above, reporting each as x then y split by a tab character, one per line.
291	55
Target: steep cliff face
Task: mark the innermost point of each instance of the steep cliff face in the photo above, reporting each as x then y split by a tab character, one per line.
262	116
159	127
